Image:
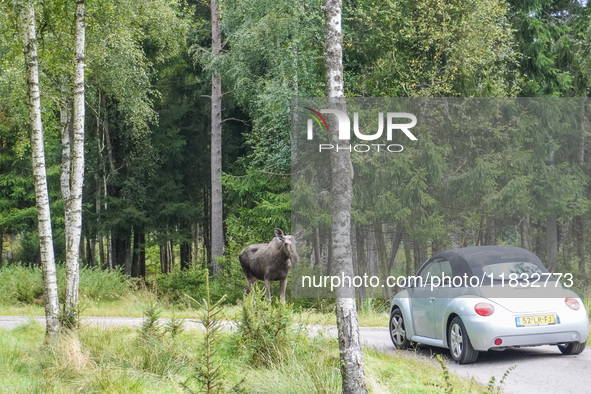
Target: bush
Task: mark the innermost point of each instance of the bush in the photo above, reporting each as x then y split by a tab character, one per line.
176	285
107	285
264	329
21	284
192	283
25	284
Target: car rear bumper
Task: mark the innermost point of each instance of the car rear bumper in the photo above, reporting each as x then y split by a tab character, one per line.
483	332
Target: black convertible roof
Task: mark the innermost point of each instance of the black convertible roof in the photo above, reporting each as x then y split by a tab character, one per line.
475	257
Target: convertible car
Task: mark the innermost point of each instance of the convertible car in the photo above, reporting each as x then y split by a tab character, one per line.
488	297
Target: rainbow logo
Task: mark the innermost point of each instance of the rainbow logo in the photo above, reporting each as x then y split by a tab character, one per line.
316	118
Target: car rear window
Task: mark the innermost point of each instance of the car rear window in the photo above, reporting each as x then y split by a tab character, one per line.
524	269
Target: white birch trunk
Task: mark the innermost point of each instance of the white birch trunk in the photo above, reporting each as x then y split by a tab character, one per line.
65	119
353	375
74	228
28	37
217	229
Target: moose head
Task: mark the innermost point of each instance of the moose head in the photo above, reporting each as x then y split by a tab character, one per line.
288	246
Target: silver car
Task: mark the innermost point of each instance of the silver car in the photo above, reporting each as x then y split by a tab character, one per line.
480	298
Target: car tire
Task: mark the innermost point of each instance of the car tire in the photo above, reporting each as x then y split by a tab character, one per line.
572	348
398	330
459	343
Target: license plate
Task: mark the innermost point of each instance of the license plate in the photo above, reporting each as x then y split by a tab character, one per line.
538	320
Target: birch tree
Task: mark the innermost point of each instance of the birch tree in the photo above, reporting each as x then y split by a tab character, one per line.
217	229
352	372
74	211
28	35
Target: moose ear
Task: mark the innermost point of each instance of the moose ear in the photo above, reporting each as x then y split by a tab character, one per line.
279	233
300	234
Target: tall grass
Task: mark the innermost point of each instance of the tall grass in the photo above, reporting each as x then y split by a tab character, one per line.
122	360
24	285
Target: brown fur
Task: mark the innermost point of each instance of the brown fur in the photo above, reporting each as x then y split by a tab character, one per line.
270	262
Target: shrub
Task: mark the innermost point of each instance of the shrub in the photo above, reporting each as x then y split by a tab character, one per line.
192	283
21	284
176	285
263	329
107	285
25	284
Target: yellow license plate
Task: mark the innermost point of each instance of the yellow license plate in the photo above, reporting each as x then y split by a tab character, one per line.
538	320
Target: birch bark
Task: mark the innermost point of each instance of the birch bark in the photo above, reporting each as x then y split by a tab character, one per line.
28	36
74	227
352	372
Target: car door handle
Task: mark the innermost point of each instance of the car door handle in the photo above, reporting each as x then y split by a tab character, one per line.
431	299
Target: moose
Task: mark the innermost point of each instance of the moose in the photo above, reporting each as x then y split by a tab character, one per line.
270	262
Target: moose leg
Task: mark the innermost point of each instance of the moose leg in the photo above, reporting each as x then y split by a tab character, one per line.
283	285
249	283
268	288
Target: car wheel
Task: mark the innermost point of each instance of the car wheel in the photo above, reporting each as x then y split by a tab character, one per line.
398	330
572	348
459	344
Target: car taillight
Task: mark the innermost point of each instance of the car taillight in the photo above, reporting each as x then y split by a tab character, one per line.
572	303
484	309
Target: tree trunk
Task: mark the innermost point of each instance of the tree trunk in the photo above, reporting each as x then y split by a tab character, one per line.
381	246
138	265
185	250
490	234
185	245
74	228
120	250
217	219
352	373
66	123
395	246
28	37
317	246
524	227
101	247
551	242
90	251
206	223
165	258
579	229
361	261
420	253
408	256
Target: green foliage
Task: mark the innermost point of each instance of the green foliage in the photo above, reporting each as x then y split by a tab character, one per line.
151	326
275	55
108	285
175	325
21	285
114	360
492	387
209	372
259	202
432	48
177	284
25	284
191	282
445	373
263	333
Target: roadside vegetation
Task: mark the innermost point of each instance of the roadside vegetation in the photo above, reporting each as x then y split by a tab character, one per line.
110	293
267	353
